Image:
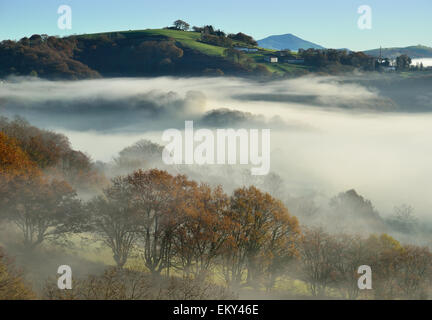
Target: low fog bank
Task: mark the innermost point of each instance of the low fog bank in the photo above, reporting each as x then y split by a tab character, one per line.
329	134
318	201
427	62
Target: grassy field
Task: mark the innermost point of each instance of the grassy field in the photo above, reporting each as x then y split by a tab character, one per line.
277	68
187	39
283	68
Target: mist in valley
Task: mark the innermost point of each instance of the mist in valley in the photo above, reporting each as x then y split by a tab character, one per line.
334	140
329	134
427	62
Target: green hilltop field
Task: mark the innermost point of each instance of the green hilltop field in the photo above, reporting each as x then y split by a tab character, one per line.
188	39
192	41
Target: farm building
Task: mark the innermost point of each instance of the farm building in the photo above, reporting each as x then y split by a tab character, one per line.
271	59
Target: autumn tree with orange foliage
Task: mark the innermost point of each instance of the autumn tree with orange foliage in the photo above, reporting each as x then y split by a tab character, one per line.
159	200
12	285
263	235
15	169
385	257
400	271
13	160
52	153
204	228
44	148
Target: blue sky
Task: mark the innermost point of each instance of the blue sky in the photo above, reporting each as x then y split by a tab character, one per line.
331	23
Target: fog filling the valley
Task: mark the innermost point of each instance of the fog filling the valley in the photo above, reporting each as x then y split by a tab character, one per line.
427	62
329	134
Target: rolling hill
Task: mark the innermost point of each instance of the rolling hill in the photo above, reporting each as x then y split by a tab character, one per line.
134	53
287	41
412	51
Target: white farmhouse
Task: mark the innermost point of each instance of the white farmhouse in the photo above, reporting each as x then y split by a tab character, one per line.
271	59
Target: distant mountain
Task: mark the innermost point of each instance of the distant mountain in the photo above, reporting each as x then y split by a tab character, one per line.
287	41
413	52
